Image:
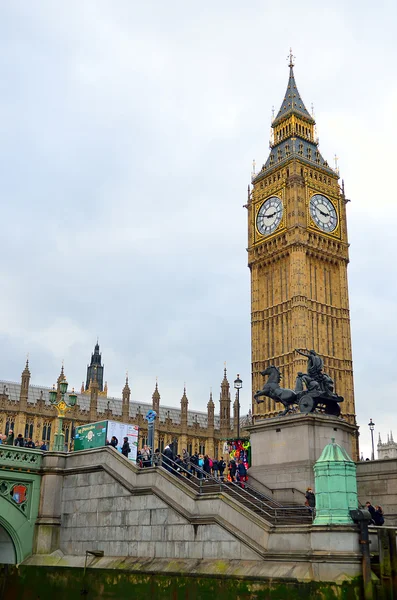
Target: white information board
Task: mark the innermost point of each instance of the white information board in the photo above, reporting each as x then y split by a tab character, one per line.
122	430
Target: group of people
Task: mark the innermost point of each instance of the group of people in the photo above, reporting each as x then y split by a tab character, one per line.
376	513
201	466
10	440
125	448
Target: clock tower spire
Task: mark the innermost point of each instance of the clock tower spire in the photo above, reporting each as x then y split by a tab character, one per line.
298	257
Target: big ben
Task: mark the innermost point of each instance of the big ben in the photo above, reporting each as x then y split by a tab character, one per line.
298	255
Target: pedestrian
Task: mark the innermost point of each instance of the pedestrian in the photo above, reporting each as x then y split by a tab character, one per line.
30	443
310	501
125	450
242	473
168	458
200	465
232	470
10	438
207	465
19	441
113	442
215	468
43	446
146	456
156	457
221	467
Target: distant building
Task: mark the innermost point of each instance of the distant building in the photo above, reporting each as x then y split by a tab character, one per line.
26	409
387	449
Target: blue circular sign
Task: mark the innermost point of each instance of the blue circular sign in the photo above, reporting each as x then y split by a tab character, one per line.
151	416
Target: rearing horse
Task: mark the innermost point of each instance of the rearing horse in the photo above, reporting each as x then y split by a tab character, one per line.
272	390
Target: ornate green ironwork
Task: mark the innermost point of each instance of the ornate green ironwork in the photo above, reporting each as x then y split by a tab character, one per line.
25	459
20	495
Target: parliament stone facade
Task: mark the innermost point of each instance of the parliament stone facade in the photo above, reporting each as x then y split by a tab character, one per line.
26	409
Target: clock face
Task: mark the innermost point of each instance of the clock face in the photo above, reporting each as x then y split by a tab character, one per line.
323	213
269	215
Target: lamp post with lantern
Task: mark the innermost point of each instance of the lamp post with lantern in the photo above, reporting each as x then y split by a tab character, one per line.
62	406
238	384
371	426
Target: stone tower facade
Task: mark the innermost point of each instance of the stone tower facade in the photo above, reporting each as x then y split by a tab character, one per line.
298	257
95	369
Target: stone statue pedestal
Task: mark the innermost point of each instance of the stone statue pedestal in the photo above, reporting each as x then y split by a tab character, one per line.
284	450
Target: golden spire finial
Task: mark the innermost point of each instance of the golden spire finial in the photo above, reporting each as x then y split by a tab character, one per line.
291	58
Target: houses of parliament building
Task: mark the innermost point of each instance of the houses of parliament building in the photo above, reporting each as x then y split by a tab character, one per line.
298	255
26	409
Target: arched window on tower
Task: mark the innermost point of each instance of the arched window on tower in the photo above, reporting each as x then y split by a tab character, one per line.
29	429
47	431
10	424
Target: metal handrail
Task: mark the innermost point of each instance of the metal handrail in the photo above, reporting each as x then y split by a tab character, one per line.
271	512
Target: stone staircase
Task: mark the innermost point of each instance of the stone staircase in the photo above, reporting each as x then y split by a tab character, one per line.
271	510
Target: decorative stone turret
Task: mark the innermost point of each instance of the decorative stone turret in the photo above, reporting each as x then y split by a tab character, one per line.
156	408
184	408
225	407
156	399
211	419
387	449
95	367
126	394
94	389
25	379
335	486
235	415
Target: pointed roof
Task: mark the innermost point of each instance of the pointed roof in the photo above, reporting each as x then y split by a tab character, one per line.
292	102
26	369
210	402
225	382
184	399
156	394
333	452
126	388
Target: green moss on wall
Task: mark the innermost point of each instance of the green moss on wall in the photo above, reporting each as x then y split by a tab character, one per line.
47	583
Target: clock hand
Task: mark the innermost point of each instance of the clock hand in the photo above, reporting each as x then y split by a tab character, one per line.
270	216
323	213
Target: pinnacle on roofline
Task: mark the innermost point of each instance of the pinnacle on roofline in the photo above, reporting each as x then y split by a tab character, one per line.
292	102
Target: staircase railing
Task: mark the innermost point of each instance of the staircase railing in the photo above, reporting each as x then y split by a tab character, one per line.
201	480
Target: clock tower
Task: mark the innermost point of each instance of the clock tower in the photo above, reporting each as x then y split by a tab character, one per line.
298	257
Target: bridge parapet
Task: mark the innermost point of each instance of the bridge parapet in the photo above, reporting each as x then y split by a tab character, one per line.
22	459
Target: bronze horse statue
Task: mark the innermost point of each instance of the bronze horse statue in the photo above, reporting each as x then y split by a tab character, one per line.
272	390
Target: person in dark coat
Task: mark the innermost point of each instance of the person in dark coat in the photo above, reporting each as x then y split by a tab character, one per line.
310	499
242	473
20	441
376	513
30	443
168	458
206	465
125	450
10	438
232	470
221	467
113	442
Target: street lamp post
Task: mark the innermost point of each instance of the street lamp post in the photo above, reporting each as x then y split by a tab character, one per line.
238	384
371	426
62	407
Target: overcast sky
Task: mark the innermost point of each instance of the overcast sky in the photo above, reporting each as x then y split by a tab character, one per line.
127	134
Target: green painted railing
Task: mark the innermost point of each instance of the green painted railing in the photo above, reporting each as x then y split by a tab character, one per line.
14	457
